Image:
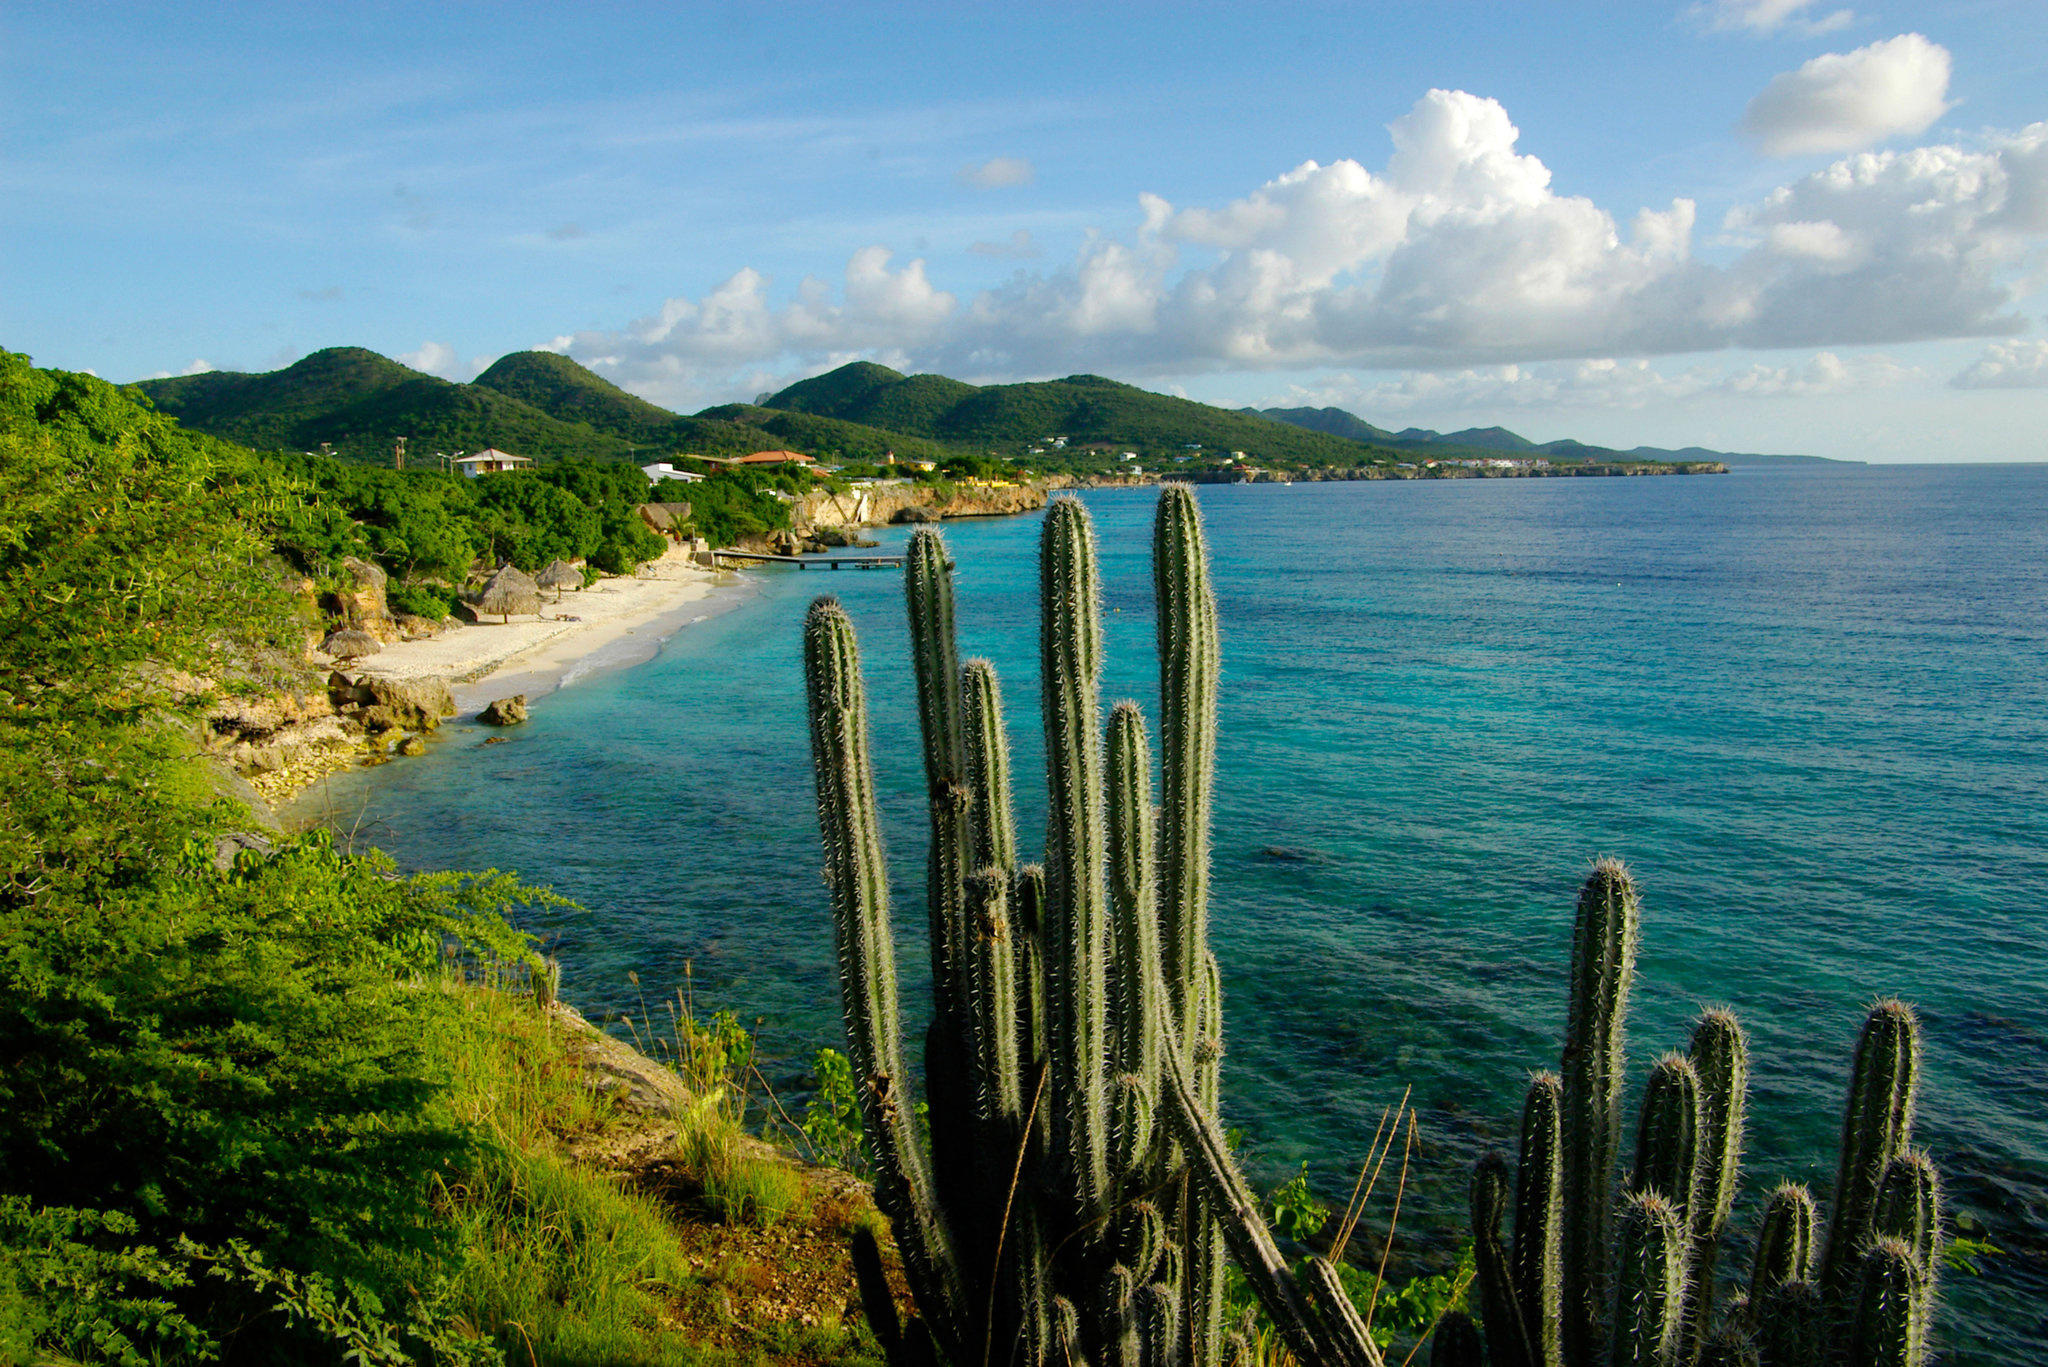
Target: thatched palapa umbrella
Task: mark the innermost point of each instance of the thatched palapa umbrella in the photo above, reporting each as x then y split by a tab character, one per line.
509	591
349	643
559	576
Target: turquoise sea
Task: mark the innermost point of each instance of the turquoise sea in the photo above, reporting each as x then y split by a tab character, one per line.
1808	705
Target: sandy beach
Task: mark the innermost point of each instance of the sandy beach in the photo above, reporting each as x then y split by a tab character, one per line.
612	624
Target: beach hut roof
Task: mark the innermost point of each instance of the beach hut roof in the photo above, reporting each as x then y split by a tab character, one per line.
665	517
509	591
348	643
560	575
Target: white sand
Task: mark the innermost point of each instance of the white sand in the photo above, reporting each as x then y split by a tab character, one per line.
611	624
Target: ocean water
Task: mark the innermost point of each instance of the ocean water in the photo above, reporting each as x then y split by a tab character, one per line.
1809	706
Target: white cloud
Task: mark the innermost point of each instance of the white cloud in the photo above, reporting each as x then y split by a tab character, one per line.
1767	16
197	367
1020	247
997	173
1843	101
1604	383
438	358
1459	253
2021	364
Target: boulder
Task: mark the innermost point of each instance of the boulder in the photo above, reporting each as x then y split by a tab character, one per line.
504	712
915	513
406	704
413	745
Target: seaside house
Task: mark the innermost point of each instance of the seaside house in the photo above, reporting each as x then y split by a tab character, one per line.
775	458
490	461
662	470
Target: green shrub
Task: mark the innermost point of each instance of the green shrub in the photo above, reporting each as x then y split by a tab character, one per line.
430	601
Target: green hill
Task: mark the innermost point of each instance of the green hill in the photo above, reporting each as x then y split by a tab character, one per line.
360	402
1088	410
567	392
1334	421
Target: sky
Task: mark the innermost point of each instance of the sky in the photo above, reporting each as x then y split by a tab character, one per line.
1751	225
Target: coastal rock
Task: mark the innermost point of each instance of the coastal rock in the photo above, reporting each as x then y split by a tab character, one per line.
916	512
394	704
413	745
841	536
504	712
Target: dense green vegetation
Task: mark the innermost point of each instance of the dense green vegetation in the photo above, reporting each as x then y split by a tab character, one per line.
262	1110
424	525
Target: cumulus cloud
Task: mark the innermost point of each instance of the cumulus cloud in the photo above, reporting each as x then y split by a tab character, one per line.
1843	101
997	173
437	358
1459	252
1021	246
2007	365
1767	17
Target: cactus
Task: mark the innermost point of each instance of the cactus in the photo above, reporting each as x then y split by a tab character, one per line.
1876	1128
1457	1343
1649	1295
1890	1324
1791	1325
1539	1221
1500	1299
1072	1063
1603	965
1784	1242
1688	1158
1720	1059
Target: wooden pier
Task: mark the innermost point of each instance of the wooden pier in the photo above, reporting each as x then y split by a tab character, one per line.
809	562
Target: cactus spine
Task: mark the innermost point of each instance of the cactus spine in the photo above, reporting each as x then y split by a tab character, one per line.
1890	1326
1603	965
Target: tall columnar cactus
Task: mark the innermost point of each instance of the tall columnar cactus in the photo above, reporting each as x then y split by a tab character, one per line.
1539	1221
1719	1054
1877	1127
1675	1202
1784	1241
1071	1069
1649	1298
1595	1060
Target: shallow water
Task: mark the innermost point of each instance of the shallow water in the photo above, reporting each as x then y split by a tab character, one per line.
1807	705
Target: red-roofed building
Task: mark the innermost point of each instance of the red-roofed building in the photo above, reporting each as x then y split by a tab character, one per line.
775	458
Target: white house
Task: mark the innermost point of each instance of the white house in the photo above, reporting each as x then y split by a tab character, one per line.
490	461
662	470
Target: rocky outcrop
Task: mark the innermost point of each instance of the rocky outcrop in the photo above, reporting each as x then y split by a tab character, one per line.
504	712
377	704
278	743
902	500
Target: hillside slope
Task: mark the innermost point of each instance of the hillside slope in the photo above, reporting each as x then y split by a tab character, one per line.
1086	409
361	402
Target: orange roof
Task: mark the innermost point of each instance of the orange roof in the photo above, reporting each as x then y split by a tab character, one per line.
774	458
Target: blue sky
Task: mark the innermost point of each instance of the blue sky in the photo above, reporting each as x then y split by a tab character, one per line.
1748	224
